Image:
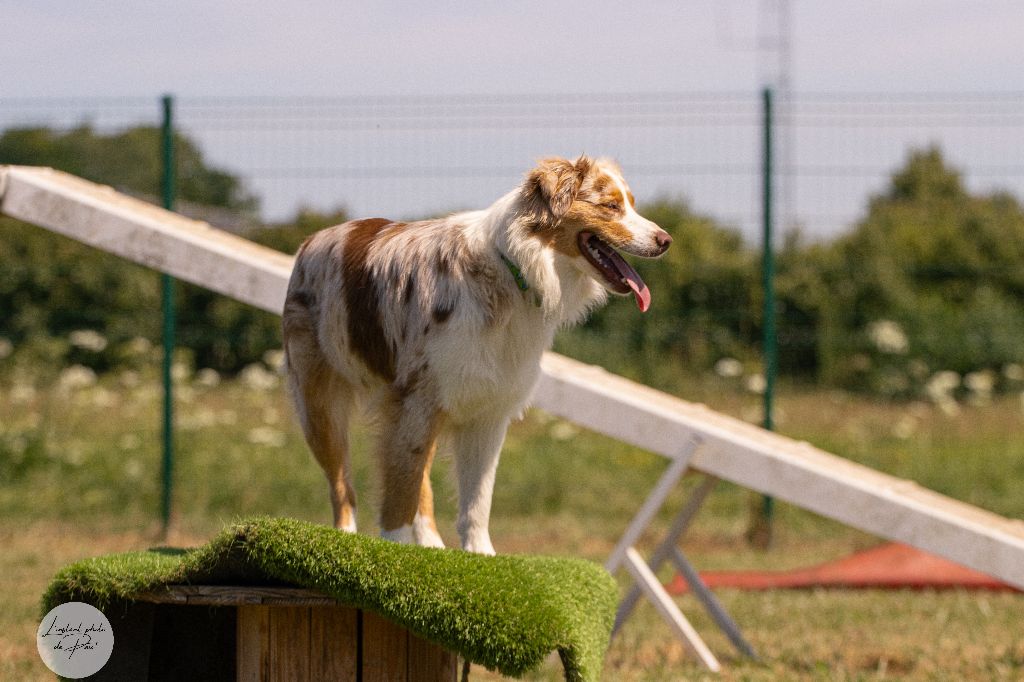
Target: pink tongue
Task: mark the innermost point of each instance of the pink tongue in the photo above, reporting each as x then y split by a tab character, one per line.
641	292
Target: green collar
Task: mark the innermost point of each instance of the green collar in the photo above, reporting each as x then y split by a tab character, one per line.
516	272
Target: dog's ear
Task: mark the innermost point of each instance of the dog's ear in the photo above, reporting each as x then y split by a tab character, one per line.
552	186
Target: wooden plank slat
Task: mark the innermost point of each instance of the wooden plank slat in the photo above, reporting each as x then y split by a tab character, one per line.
793	471
429	662
229	595
252	644
333	643
140	232
290	639
385	650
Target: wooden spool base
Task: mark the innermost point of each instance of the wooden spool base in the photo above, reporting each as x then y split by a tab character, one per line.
265	633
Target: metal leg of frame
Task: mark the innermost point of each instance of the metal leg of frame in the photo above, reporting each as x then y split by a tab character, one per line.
664	550
646	581
669	550
711	604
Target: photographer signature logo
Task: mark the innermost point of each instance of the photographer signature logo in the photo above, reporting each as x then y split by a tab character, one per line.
75	640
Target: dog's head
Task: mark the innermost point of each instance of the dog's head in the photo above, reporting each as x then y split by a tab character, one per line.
585	211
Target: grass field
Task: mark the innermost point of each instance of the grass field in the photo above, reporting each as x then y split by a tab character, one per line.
79	476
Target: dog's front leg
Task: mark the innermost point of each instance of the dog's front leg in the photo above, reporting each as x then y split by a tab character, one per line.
476	448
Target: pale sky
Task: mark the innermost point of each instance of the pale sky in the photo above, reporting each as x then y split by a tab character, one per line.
328	47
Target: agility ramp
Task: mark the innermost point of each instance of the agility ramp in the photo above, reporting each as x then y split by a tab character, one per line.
691	436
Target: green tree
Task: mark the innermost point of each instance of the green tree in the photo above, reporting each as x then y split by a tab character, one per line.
945	266
51	286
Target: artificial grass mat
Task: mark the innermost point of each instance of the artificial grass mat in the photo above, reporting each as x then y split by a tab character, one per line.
504	612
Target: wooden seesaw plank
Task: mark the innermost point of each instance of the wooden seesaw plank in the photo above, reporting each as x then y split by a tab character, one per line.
734	450
791	470
146	234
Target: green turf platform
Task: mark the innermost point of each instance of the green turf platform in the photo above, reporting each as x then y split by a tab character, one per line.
506	612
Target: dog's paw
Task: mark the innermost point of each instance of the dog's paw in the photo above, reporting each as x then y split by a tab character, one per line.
425	533
481	545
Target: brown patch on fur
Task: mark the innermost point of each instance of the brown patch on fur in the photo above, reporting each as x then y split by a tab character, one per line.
406	459
425	508
598	208
322	394
552	186
365	326
583	216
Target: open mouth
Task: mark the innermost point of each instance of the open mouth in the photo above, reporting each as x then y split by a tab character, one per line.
619	275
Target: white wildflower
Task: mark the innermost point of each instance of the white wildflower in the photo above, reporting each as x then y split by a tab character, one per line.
905	427
1014	372
564	430
88	339
729	368
265	435
102	398
980	382
148	392
948	406
22	393
756	383
139	345
274	360
74	454
201	418
941	385
129	378
130	441
185	394
918	369
892	382
133	469
888	337
180	371
207	377
6	348
75	377
257	377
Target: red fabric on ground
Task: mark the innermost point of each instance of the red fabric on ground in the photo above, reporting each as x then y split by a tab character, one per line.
887	566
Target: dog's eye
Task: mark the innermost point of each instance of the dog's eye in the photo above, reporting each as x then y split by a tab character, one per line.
612	205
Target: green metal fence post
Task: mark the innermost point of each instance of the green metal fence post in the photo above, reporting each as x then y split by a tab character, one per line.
167	296
760	532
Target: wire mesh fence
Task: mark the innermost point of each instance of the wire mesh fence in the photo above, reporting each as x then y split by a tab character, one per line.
405	157
409	157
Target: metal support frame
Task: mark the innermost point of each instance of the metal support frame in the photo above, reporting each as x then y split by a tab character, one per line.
646	582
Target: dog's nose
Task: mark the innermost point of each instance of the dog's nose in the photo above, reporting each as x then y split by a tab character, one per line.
664	240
